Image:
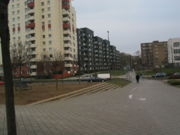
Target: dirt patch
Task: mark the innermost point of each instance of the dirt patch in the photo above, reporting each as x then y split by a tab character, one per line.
40	91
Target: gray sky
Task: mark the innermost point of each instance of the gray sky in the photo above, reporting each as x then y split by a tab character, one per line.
130	22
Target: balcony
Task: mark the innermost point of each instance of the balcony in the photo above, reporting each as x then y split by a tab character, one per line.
30	31
67	51
67	38
67	31
31	25
29	11
66	12
30	39
66	18
66	6
67	45
30	17
68	65
66	26
68	58
30	5
33	66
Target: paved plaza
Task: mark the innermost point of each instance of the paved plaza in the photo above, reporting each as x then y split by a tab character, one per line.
149	108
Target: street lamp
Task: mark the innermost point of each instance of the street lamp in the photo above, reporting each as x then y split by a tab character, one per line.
108	34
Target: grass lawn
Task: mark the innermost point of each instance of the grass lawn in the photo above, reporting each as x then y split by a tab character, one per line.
119	82
166	70
41	91
174	82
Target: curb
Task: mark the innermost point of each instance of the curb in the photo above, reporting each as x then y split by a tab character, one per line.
62	96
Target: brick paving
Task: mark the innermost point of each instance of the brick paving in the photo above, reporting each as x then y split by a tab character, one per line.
153	109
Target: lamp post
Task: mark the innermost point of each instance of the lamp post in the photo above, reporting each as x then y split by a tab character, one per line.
108	35
9	93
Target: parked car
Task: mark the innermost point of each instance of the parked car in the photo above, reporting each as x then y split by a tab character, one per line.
175	76
159	74
96	79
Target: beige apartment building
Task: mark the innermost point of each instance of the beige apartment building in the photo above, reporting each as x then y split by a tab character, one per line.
154	55
47	28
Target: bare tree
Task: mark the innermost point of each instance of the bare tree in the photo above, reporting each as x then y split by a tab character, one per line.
20	57
9	93
57	64
44	65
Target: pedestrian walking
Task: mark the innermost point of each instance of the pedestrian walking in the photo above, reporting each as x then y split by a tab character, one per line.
137	78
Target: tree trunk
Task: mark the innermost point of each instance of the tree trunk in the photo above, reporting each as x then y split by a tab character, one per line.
9	93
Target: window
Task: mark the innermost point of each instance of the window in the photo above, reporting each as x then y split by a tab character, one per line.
176	44
50	55
18	5
18	18
49	15
177	51
177	57
42	3
50	42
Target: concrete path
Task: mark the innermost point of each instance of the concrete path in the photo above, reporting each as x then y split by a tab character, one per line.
148	108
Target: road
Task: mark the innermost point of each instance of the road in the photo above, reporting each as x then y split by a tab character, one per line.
148	108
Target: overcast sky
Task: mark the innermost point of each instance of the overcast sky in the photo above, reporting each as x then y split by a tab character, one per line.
130	22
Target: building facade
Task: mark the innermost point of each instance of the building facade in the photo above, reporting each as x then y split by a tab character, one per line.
46	27
95	53
174	51
85	50
98	53
154	54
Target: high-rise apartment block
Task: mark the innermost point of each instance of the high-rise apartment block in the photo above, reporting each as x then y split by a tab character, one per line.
174	51
47	27
85	49
95	53
154	55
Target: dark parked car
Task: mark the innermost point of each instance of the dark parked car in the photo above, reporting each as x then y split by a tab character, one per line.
175	76
159	74
95	79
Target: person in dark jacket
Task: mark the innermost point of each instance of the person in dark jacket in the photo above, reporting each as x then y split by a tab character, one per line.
137	78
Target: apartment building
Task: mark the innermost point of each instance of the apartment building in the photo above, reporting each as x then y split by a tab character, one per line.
85	50
174	51
106	55
98	53
113	56
154	54
47	28
95	53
